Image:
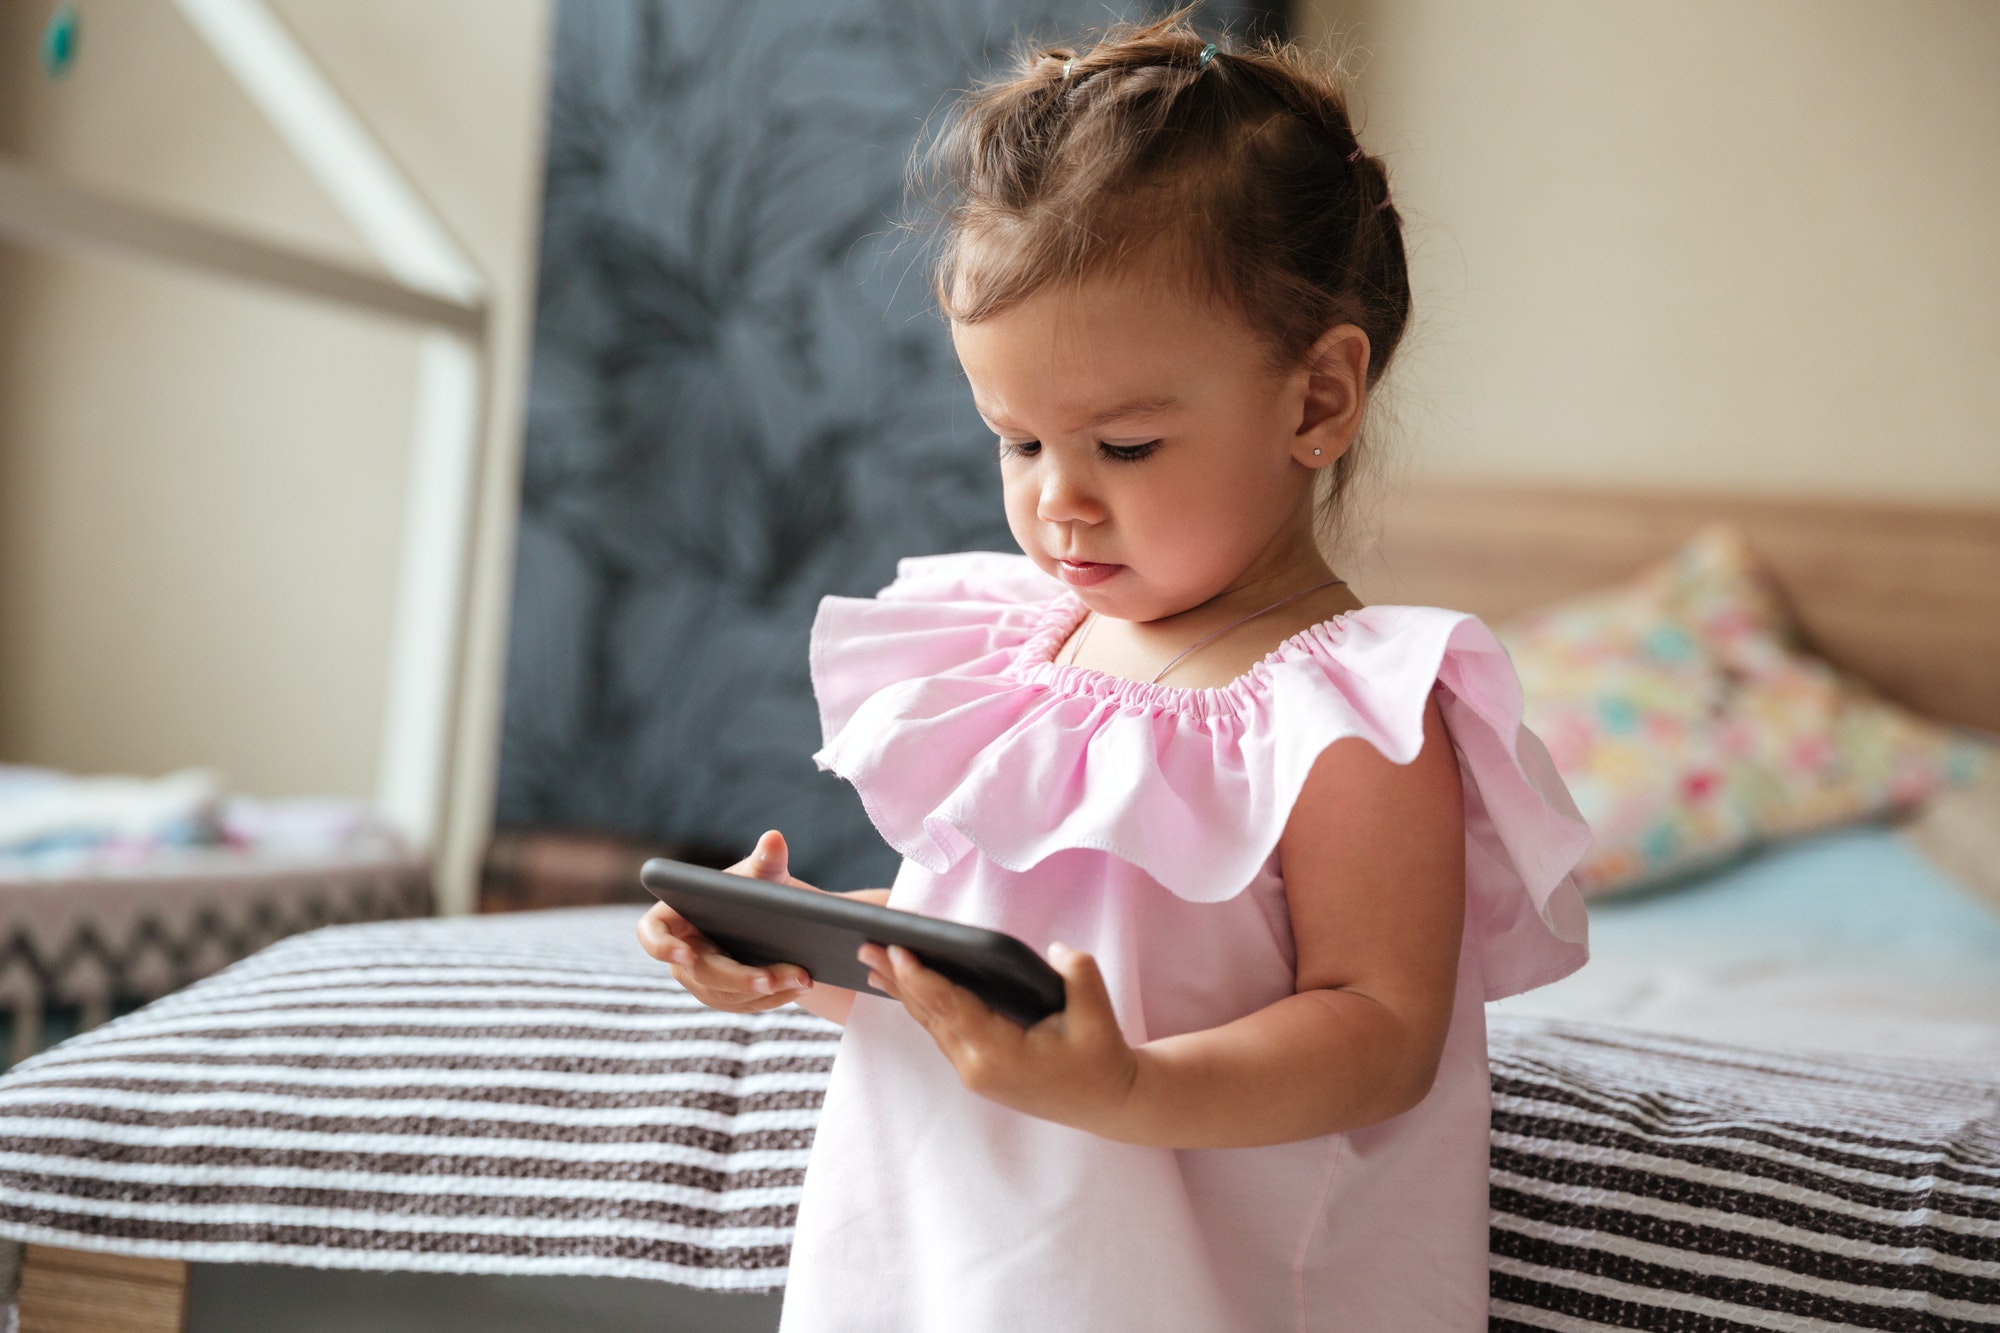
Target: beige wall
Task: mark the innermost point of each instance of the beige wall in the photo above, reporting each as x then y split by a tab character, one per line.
201	483
1699	244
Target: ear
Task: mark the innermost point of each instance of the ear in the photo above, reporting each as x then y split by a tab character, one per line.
1335	396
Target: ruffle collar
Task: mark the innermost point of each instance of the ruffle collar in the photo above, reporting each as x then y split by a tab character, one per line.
1035	664
940	701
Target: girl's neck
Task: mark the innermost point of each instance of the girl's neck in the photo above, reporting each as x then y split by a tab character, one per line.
1271	601
1290	563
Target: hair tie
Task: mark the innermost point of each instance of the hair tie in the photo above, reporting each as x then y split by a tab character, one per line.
1356	156
1207	54
1068	65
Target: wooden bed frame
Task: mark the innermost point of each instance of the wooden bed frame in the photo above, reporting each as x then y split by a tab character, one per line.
1905	596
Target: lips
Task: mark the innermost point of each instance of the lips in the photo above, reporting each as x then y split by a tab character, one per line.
1085	573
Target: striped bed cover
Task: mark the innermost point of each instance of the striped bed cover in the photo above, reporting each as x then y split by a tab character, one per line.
530	1094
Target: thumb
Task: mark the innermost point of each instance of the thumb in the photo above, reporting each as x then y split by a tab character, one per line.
771	859
1085	998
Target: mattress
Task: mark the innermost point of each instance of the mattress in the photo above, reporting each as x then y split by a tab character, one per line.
531	1094
1848	943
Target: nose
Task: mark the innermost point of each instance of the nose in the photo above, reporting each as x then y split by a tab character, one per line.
1066	492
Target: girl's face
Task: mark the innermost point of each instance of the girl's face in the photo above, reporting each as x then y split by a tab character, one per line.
1150	456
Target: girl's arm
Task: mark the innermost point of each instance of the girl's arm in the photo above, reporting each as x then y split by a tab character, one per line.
1374	864
719	981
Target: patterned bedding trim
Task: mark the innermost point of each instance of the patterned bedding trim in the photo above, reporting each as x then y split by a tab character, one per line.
532	1095
73	952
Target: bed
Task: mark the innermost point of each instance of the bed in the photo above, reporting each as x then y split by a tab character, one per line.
528	1099
528	1095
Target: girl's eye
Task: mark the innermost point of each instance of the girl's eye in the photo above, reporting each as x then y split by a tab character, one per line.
1116	453
1127	453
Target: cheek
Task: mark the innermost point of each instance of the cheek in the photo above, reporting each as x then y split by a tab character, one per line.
1192	493
1020	498
1215	515
1253	487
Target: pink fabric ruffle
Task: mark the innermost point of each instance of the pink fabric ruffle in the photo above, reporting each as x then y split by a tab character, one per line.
939	702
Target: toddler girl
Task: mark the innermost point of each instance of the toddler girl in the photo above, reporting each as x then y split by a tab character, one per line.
1282	846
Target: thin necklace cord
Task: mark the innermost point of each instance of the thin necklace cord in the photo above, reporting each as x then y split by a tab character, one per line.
1203	642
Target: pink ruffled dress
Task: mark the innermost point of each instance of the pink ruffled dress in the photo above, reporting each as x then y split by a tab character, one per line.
1141	822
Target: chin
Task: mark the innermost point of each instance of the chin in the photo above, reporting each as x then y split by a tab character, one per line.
1131	603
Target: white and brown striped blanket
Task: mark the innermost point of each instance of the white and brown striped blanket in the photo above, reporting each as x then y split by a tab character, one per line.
530	1094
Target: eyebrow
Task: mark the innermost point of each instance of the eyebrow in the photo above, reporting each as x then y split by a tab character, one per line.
1136	407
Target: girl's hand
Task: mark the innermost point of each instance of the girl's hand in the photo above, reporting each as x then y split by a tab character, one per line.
712	976
1074	1067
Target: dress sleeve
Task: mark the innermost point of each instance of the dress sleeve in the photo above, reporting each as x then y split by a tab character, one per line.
1523	833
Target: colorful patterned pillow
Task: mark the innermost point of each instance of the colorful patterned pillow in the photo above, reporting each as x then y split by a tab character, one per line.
1690	728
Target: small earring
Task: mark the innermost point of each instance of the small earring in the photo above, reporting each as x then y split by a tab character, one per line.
1315	453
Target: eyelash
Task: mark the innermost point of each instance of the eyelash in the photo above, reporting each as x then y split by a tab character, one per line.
1115	453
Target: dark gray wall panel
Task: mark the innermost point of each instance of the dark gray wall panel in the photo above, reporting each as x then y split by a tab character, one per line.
740	402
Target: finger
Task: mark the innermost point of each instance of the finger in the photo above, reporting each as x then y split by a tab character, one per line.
717	976
690	951
683	929
1086	999
769	851
770	859
934	1000
880	975
881	970
712	969
732	1001
672	938
723	974
667	935
720	971
980	1044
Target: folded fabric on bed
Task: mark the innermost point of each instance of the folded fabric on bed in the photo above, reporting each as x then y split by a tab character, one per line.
530	1094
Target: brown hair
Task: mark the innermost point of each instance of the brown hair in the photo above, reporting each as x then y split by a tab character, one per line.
1243	162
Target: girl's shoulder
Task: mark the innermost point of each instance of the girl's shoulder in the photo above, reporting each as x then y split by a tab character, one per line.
941	702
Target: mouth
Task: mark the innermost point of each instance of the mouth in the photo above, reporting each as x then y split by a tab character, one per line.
1085	573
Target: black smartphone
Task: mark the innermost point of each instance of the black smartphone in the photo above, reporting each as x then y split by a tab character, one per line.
761	923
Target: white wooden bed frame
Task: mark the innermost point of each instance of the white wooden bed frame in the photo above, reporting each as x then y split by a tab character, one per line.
432	283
